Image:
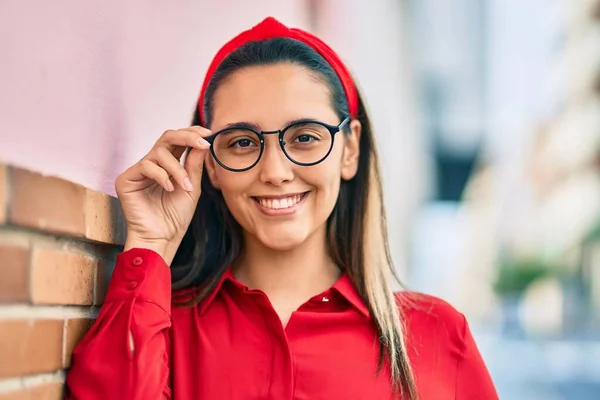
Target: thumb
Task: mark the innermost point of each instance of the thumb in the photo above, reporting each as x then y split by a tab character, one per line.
194	165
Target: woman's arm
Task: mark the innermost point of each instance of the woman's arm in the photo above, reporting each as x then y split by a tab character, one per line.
473	381
125	355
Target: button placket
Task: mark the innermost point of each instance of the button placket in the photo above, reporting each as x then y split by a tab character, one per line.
136	262
132	285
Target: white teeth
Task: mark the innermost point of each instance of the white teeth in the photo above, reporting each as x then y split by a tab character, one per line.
277	204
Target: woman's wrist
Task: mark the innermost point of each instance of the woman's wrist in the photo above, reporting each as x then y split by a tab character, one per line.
163	248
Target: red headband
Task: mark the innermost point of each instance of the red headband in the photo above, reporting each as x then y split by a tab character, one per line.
271	28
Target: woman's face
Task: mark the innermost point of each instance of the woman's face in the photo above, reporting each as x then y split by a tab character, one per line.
279	203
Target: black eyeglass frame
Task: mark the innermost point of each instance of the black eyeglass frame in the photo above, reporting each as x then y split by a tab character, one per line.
333	129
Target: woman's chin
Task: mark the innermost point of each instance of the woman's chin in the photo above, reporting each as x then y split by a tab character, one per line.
281	241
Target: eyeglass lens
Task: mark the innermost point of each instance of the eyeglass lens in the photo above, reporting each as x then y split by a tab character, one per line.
240	148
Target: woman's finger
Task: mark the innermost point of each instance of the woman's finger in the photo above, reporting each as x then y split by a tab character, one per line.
179	140
172	166
153	171
194	165
202	133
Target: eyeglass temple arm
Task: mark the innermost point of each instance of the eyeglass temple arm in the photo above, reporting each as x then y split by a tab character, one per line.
344	123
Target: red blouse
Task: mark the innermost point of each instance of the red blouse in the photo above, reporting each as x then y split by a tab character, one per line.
233	345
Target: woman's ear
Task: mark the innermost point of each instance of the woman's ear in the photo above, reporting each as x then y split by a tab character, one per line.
211	170
351	150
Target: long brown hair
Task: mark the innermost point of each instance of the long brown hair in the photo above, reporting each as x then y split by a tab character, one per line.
356	234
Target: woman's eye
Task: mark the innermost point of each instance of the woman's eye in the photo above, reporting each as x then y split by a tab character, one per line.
242	143
305	138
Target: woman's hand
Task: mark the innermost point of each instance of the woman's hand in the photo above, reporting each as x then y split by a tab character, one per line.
159	195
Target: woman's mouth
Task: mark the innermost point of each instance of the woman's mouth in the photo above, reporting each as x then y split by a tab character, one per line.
280	205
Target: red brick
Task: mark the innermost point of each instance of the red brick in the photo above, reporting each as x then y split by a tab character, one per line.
45	391
104	221
30	347
3	193
60	277
76	329
14	269
46	203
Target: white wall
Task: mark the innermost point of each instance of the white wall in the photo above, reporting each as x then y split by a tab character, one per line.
87	87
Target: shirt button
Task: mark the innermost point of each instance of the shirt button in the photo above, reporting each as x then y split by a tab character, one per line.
137	261
132	285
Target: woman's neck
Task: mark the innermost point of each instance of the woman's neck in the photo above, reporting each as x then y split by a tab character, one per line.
291	277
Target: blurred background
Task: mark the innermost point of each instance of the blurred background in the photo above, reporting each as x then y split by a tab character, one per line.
509	231
487	114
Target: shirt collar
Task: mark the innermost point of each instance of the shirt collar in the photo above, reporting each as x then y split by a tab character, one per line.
346	288
343	286
227	276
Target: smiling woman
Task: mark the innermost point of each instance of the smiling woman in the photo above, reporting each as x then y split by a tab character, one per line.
276	240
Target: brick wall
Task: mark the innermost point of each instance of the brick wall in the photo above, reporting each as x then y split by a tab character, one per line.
58	243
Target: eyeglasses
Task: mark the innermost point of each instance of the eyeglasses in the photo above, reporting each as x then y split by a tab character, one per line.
304	142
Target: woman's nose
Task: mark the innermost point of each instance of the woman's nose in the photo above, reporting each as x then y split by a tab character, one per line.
275	168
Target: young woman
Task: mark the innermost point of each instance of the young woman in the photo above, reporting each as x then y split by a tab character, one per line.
258	267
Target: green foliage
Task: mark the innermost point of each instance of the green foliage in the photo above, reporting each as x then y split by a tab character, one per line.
594	234
514	276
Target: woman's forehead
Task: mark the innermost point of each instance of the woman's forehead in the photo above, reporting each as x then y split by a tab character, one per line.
271	95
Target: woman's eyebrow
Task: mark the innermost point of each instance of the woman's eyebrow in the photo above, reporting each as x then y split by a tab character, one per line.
256	127
243	124
300	120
